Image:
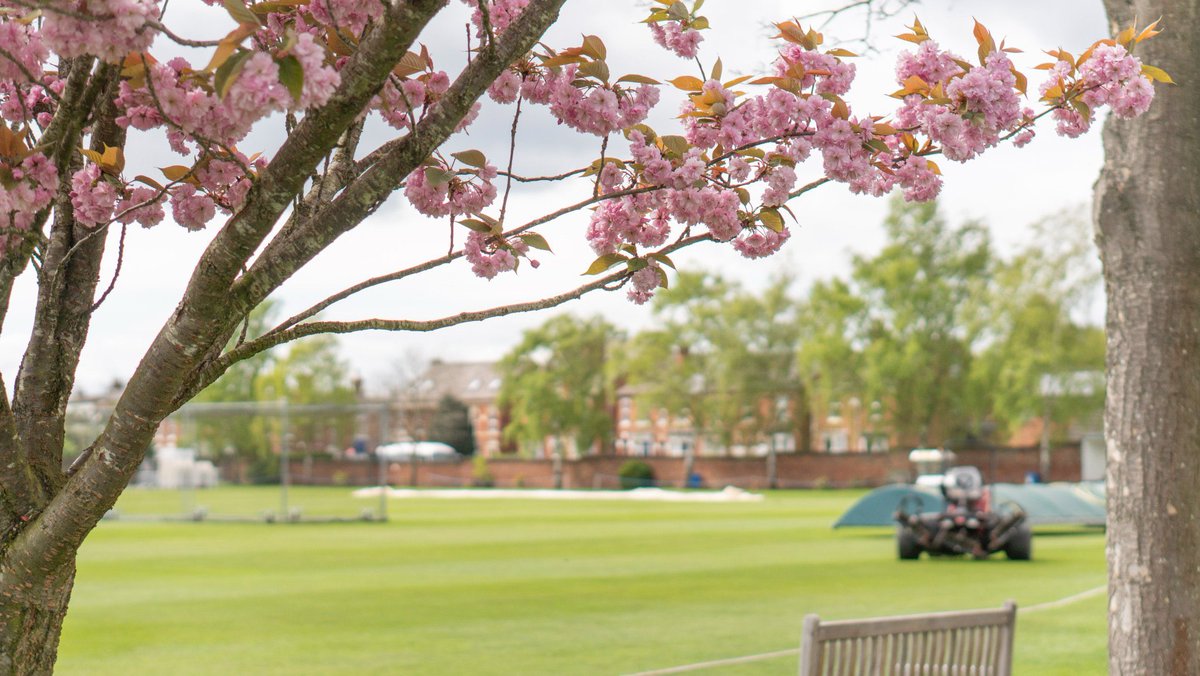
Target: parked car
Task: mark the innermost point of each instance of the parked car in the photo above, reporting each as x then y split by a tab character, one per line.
429	451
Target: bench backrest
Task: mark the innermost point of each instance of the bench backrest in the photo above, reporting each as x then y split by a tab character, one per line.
967	643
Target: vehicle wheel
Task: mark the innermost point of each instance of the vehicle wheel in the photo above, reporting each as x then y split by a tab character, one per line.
1020	546
907	546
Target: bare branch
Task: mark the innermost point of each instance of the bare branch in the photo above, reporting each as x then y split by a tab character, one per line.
116	273
270	340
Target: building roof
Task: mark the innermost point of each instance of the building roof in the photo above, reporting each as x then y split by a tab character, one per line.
469	382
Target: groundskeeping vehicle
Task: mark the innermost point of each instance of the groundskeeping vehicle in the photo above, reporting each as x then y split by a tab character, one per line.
968	525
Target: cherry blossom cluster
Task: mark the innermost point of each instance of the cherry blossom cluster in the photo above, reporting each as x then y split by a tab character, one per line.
27	51
644	282
600	111
577	91
403	102
435	190
26	187
677	28
673	36
501	14
1109	76
731	141
346	16
490	255
21	102
109	29
177	97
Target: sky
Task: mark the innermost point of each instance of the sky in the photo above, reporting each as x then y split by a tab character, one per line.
1006	188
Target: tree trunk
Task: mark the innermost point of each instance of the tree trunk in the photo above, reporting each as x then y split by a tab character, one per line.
31	619
1148	216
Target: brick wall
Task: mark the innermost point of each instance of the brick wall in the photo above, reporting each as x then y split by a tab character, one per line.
793	470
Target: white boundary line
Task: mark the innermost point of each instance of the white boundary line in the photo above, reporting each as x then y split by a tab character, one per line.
719	663
1049	605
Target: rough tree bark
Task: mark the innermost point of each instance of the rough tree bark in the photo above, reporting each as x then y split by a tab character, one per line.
1148	216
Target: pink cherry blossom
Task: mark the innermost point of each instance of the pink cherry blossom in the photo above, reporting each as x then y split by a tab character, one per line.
92	196
672	36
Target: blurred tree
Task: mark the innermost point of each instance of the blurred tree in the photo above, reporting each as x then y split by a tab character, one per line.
311	373
725	359
556	384
911	312
672	367
239	434
1036	327
452	425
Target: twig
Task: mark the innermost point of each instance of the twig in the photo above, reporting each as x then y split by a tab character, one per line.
116	273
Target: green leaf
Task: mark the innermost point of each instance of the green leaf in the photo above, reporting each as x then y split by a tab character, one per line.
142	178
662	278
596	69
291	74
437	176
688	83
605	262
877	145
227	74
700	23
594	47
476	225
664	259
640	79
240	13
676	144
175	172
411	63
646	132
717	69
1156	73
536	241
473	158
770	217
678	11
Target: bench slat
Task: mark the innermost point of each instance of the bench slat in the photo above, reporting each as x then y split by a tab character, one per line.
958	643
908	623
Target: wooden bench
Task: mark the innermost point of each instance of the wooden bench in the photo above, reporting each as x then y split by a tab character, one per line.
967	643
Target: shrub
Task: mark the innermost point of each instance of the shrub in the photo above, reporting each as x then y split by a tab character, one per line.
635	473
481	474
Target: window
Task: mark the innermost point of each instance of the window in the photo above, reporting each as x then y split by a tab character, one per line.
835	441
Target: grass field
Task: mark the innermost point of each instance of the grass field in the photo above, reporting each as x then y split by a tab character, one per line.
528	587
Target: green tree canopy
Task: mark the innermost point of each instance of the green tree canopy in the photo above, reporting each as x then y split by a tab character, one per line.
555	382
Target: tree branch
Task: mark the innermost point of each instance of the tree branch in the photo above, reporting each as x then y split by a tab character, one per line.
275	338
291	329
64	308
17	483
